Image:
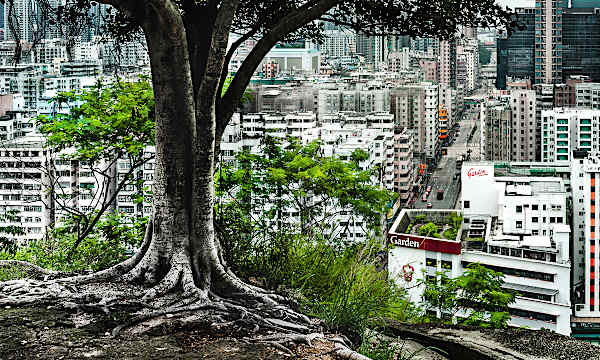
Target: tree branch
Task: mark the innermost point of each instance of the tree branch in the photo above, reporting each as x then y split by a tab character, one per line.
207	93
303	15
234	46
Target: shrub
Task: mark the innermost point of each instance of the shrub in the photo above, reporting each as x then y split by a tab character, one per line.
110	243
429	229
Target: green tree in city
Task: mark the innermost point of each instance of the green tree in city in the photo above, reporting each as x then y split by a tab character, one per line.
264	188
429	229
9	232
477	293
93	130
189	49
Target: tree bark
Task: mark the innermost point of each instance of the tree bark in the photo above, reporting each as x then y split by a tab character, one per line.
175	120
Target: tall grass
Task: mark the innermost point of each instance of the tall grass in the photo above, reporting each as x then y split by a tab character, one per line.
340	285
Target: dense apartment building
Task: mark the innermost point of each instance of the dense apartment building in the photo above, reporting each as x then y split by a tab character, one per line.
398	61
416	107
587	95
498	131
565	130
467	65
373	48
281	98
405	174
359	97
447	63
430	70
523	141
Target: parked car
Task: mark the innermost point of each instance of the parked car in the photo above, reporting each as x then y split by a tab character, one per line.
424	198
428	189
429	206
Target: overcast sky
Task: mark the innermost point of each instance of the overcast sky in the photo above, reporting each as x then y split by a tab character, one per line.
517	3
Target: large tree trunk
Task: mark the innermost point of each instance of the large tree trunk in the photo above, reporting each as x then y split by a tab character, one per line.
175	131
184	252
180	264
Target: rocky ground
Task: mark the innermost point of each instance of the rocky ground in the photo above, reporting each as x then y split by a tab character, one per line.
505	344
42	333
49	333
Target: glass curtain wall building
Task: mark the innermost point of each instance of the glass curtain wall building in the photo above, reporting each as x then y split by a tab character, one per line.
516	53
581	42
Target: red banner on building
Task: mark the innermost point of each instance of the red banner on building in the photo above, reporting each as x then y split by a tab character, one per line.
424	243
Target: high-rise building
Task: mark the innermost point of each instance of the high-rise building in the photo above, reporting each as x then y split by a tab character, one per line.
468	71
548	40
585	178
498	131
337	43
581	42
447	64
22	15
524	140
516	53
373	48
30	24
557	43
566	130
584	3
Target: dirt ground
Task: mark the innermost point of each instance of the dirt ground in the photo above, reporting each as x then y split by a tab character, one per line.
47	333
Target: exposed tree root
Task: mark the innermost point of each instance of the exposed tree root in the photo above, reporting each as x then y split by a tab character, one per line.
32	270
176	299
342	351
120	269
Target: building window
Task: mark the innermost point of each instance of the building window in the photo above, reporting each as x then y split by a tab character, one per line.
467	204
552	220
431	262
534	219
559	220
534	206
519	225
519	208
447	264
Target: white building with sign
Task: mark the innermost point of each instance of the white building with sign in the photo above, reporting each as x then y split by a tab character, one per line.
513	225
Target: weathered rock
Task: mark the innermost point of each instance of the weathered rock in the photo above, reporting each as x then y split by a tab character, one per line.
472	343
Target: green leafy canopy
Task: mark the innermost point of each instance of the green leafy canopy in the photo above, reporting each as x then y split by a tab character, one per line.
299	177
105	122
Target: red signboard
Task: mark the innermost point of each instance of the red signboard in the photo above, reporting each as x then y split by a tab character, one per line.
423	243
476	172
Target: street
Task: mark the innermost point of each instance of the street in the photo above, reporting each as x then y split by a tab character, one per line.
461	146
442	179
446	177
